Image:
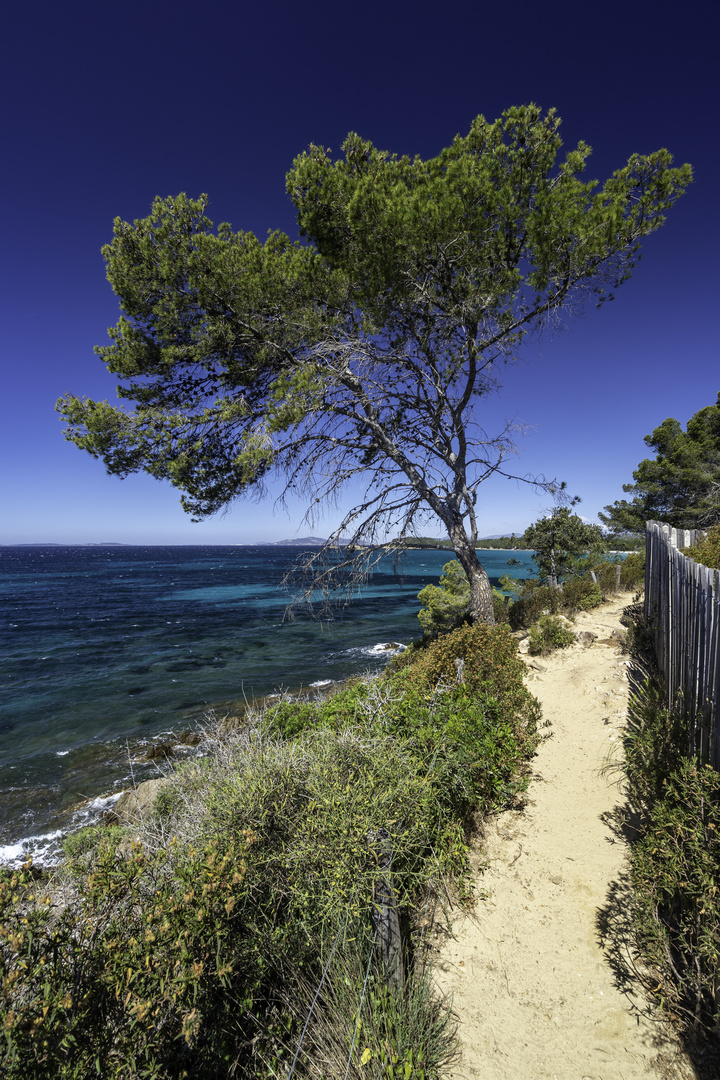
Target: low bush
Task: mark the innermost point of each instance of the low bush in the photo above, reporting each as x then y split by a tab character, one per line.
139	977
632	571
548	634
581	594
608	575
675	862
655	743
707	551
675	874
533	599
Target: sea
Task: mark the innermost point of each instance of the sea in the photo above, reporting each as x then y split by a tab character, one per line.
107	651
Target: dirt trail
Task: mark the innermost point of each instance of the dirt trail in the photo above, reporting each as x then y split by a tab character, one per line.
537	970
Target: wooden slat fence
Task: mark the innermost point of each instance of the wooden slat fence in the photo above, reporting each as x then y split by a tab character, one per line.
682	605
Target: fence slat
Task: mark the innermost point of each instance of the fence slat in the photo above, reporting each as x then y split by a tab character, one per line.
682	605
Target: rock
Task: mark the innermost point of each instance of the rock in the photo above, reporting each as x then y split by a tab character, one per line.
138	802
231	723
585	638
190	738
159	751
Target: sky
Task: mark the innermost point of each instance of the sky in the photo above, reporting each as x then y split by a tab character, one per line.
107	105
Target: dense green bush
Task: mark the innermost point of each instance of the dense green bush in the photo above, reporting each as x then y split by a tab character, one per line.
655	743
140	977
675	874
581	594
501	606
548	634
707	551
632	571
675	861
444	605
532	599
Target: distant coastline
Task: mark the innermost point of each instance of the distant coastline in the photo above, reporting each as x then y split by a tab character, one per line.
488	543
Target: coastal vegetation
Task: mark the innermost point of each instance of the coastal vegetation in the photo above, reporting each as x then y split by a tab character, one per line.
237	930
680	485
707	550
675	860
362	354
575	573
562	543
483	543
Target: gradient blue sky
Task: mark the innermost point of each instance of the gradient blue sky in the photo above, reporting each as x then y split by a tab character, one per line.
107	105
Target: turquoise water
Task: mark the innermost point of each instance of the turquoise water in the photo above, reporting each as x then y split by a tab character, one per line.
106	649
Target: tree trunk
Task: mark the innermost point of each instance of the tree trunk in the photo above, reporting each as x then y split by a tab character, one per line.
481	600
552	579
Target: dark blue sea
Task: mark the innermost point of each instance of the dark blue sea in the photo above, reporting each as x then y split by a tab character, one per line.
107	650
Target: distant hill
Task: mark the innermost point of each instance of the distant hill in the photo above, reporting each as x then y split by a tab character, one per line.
303	541
306	541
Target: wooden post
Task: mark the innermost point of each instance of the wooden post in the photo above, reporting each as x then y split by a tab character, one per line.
385	914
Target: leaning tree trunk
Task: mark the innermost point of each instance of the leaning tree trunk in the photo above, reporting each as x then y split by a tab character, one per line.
481	599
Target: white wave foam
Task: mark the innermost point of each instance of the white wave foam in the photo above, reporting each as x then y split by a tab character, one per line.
382	648
320	683
43	850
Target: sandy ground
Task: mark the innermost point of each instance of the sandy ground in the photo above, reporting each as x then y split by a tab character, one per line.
538	971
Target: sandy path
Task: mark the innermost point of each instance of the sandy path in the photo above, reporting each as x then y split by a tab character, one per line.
535	971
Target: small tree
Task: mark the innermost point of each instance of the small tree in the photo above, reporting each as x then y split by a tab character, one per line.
559	539
681	485
364	353
444	605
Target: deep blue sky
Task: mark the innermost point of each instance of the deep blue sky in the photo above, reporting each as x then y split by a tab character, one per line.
107	105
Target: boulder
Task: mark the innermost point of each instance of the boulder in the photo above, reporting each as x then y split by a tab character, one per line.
158	751
137	803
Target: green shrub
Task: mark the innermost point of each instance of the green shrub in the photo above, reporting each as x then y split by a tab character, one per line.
655	743
675	874
444	605
632	571
501	606
608	578
141	977
581	594
533	600
490	658
707	551
290	718
549	634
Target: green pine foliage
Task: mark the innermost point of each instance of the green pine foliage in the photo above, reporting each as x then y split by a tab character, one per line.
680	484
362	352
445	605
